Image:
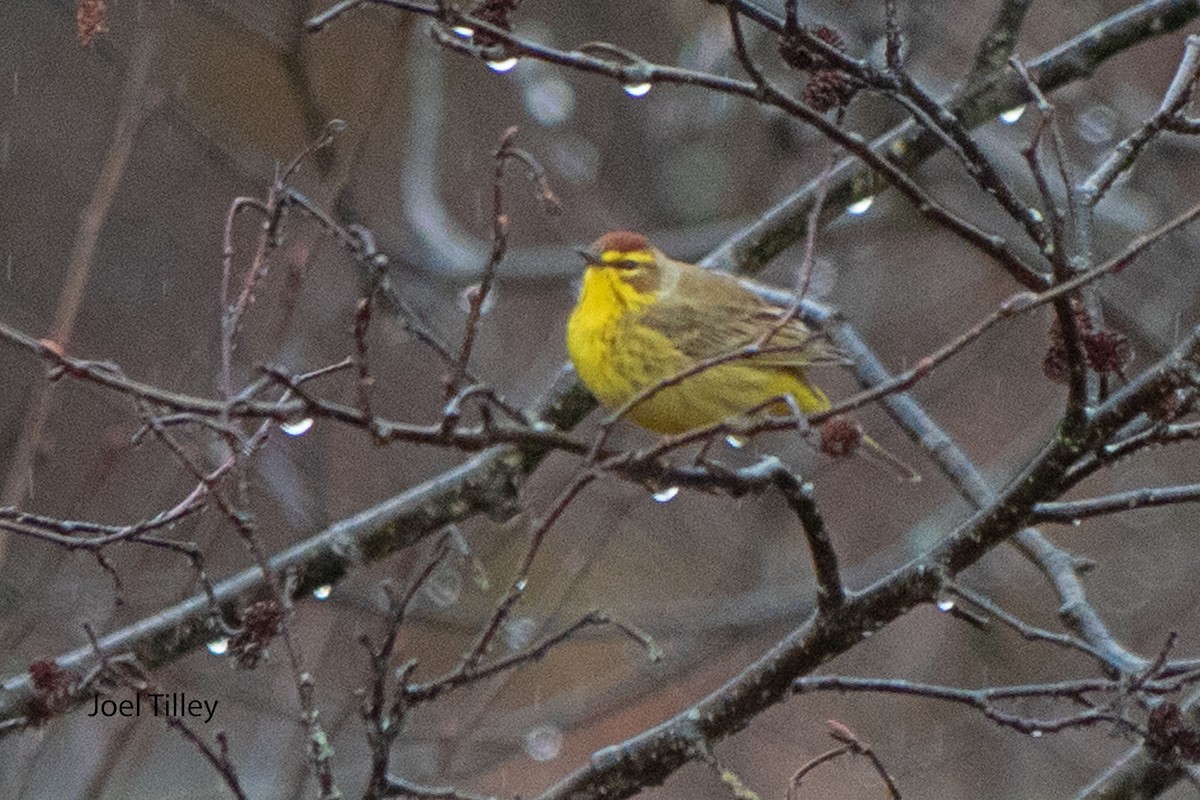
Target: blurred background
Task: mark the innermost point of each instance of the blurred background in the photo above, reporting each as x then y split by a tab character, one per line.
118	161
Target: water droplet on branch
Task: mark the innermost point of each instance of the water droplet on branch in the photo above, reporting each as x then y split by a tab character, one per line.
666	495
861	207
297	427
503	64
1013	115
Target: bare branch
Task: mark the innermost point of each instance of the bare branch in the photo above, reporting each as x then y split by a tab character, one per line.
998	45
1074	510
1178	94
984	700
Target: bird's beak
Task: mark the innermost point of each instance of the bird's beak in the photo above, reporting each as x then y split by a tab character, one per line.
588	256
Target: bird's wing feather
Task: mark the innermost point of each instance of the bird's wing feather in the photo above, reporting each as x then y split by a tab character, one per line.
730	316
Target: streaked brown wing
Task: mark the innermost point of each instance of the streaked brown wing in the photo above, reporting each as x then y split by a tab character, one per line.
720	316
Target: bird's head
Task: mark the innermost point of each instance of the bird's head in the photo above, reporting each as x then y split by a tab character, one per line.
626	256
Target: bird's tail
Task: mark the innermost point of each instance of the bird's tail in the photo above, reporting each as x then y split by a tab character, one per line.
880	456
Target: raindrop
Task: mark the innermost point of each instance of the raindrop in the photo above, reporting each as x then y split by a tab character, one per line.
736	442
550	100
945	604
1036	733
1076	522
468	295
1097	124
322	592
502	65
1011	116
463	31
444	586
297	427
1036	215
218	647
637	89
860	208
666	495
544	742
521	584
518	632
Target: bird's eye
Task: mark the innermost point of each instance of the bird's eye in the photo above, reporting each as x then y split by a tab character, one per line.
628	264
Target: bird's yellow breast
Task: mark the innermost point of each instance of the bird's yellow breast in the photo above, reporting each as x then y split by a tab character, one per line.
613	354
618	356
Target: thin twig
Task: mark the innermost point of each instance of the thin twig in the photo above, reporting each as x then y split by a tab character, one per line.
1029	632
984	700
470	660
850	745
219	759
384	719
398	787
431	690
893	45
1072	511
505	152
1178	94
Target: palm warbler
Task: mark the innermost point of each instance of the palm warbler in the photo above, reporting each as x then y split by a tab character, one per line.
643	319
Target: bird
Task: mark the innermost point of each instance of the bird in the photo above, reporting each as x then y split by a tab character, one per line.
677	347
643	318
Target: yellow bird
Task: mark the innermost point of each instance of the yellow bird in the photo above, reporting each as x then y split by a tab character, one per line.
643	318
